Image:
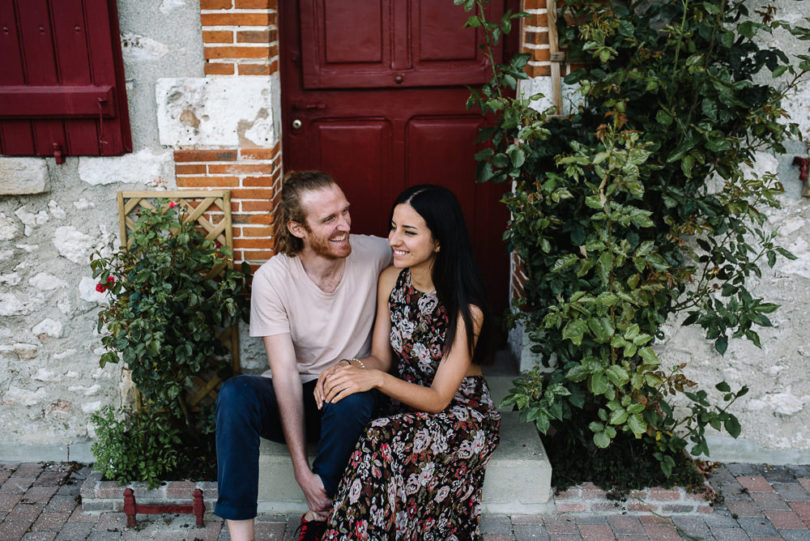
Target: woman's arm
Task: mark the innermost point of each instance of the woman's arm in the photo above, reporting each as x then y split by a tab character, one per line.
380	358
435	398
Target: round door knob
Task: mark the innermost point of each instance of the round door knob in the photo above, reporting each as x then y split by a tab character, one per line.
399	78
296	124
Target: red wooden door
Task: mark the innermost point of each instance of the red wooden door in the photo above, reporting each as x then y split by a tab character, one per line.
374	93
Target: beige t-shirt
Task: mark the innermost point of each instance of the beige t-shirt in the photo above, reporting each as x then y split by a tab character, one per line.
324	327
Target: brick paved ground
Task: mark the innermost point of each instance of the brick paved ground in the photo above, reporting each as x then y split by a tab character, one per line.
41	502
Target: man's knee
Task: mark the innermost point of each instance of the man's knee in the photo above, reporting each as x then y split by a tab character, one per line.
354	409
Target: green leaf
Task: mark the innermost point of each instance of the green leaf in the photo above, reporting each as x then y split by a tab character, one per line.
721	344
732	426
648	356
637	424
601	440
574	330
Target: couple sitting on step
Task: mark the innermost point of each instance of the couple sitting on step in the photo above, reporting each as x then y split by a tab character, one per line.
402	416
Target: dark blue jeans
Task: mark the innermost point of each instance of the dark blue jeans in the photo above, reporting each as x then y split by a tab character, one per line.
247	410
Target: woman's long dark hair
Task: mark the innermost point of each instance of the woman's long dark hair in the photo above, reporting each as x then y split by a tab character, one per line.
456	274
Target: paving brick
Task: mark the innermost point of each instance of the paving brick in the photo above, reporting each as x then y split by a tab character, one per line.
785	520
757	526
571	507
496	524
670	509
804	482
802	509
13	529
497	537
665	494
24	512
28	469
792	492
755	483
591	519
730	534
795	535
592	492
721	519
529	532
596	532
111	522
39	536
568	494
50	521
769	500
527	519
654	519
662	532
625	525
740	468
694	526
560	526
564	537
16	485
8	501
61	504
634	537
41	494
72	531
745	509
79	515
778	474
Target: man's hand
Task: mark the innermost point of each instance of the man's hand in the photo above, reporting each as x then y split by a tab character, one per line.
312	486
347	380
322	378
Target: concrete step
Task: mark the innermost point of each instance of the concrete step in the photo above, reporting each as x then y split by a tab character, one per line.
518	479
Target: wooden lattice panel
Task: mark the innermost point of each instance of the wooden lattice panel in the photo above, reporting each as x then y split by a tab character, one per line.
211	211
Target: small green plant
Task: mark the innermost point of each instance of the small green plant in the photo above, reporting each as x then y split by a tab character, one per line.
136	445
640	206
171	292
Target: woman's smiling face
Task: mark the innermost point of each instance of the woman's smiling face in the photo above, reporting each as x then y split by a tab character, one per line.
411	239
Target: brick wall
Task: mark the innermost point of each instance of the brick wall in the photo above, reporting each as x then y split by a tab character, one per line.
240	39
534	38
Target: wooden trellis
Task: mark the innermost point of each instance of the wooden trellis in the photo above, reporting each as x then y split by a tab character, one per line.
211	211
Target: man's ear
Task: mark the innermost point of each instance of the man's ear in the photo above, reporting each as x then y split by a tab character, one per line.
436	247
296	229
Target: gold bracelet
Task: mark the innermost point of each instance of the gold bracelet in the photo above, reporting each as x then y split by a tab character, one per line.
361	363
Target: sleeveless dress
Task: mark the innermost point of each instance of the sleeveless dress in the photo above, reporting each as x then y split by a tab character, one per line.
413	474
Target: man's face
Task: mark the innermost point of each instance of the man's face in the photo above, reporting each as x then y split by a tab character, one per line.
327	222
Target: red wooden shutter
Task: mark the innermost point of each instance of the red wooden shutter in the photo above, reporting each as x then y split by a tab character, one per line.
62	79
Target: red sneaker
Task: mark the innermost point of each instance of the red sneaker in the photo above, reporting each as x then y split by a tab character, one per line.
311	530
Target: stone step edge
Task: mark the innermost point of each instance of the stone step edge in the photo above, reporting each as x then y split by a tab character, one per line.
99	495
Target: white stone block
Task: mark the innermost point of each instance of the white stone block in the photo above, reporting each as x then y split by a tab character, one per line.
73	244
17	395
137	48
48	327
31	220
10	305
56	210
23	176
87	291
84	204
150	167
46	282
8	227
10	279
217	111
25	352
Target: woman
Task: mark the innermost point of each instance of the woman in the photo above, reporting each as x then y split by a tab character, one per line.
417	473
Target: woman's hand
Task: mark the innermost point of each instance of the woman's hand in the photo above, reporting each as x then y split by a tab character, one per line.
322	377
347	380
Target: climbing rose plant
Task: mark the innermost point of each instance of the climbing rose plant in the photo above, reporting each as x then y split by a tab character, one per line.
166	307
640	207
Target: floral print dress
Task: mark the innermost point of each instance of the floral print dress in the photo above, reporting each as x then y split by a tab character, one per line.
413	474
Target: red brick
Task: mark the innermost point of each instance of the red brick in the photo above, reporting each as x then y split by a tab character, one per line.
253	36
219	68
596	532
540	55
571	507
252	4
236	168
260	219
204	155
254	69
236	52
216	4
785	520
180	490
534	4
535	38
217	36
252	193
592	492
190	169
662	533
235	19
207	182
255	206
801	508
258	182
257	231
665	494
638	507
570	493
259	153
261	244
256	255
705	509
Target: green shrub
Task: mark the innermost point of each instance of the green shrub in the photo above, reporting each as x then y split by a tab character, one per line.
640	206
171	294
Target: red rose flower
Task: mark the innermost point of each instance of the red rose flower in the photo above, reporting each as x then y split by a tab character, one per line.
110	279
172	204
101	288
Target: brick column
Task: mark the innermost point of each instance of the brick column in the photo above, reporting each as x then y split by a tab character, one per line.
534	38
240	37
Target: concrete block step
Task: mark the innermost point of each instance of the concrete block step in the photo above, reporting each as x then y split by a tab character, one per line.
518	479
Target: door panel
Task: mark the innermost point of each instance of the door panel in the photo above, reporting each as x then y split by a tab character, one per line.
377	135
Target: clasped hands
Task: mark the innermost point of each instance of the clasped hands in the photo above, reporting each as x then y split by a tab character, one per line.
341	380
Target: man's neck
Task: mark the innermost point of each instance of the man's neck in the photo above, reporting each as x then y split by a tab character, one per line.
324	272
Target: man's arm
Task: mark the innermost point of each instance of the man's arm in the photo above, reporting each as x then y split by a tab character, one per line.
289	394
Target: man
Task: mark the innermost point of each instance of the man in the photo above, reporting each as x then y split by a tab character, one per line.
313	304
